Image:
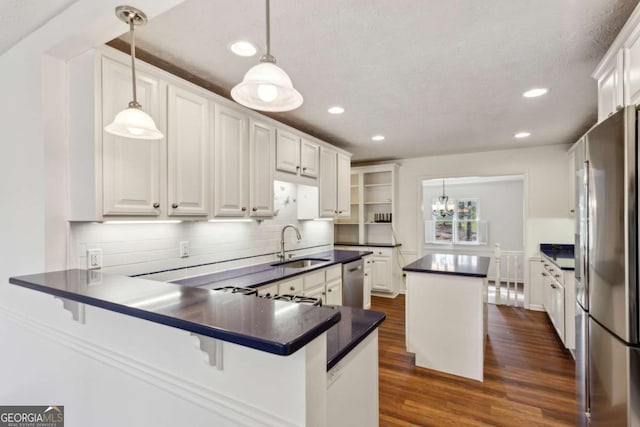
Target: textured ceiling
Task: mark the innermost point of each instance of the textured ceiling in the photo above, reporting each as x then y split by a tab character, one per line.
432	76
21	17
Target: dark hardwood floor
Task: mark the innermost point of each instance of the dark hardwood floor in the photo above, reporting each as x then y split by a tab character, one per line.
528	377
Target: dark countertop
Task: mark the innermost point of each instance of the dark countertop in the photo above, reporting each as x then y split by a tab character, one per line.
454	264
277	327
354	326
263	274
560	254
374	245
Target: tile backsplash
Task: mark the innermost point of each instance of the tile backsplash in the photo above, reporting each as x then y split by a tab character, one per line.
133	249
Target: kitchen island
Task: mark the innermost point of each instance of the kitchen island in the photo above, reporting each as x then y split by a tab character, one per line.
224	352
446	313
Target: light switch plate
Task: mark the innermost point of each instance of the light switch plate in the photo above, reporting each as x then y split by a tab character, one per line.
184	249
94	258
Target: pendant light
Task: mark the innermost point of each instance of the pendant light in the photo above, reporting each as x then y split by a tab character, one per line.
267	87
133	122
443	207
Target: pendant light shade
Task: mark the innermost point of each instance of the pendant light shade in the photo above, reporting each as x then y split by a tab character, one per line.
267	87
443	207
132	122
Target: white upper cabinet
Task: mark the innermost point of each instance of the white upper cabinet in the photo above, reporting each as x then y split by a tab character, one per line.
217	158
309	158
188	142
287	152
335	184
296	155
618	73
230	164
262	160
328	206
343	186
132	169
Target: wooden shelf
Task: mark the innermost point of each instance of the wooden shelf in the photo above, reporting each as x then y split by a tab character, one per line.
377	203
386	184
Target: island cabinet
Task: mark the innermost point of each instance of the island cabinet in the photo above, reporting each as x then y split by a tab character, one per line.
217	158
618	73
222	354
446	325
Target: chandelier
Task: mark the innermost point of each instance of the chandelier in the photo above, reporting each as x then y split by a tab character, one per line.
443	207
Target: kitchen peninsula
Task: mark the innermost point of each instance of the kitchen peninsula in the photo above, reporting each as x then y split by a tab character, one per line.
446	313
225	349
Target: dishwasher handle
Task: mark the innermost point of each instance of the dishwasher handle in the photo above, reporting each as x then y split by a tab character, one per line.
354	269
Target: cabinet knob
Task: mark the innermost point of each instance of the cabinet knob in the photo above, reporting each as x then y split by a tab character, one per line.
329	290
304	169
244	209
372	261
254	209
553	286
340	212
557	276
366	274
156	205
174	206
292	288
297	167
544	274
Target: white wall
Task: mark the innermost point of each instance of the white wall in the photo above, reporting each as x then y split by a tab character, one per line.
546	189
546	192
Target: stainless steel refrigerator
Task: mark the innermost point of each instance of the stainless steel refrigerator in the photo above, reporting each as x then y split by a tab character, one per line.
607	305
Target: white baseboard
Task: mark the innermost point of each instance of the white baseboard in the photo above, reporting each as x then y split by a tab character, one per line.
535	307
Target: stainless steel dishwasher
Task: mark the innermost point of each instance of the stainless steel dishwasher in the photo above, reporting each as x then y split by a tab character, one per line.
353	284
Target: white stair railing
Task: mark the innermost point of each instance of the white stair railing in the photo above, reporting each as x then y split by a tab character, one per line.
513	262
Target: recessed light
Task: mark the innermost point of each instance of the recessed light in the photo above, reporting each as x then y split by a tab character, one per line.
522	135
377	138
243	48
336	110
538	91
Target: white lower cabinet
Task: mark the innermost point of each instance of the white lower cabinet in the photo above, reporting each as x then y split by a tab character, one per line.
382	272
558	295
291	286
325	284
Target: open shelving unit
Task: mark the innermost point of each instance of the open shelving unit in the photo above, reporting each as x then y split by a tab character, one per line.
374	191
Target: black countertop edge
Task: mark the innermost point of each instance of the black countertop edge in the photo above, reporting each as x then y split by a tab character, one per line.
266	273
367	319
563	263
225	334
451	264
374	245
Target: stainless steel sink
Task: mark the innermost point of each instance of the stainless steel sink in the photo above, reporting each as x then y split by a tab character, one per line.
300	263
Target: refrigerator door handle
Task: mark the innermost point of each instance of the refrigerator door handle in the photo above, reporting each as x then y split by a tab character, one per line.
585	239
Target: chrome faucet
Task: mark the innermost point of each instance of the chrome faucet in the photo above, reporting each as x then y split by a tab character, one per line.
298	236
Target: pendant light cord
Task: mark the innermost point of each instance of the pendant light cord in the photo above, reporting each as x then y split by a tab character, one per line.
134	103
267	57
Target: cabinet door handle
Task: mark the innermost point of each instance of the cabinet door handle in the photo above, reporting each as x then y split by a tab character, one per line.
254	209
156	205
244	209
174	206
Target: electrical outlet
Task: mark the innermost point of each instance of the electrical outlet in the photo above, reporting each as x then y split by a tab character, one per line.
94	258
184	249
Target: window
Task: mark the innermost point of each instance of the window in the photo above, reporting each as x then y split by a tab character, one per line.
462	228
